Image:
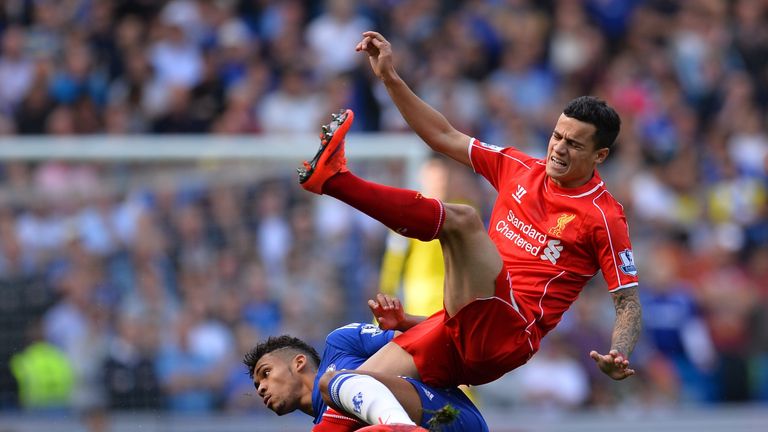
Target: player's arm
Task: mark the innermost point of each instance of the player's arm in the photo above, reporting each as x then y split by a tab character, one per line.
626	332
626	329
388	311
428	123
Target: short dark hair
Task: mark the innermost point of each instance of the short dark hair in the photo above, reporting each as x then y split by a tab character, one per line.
276	343
596	112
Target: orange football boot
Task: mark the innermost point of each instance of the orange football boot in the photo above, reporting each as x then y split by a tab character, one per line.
329	158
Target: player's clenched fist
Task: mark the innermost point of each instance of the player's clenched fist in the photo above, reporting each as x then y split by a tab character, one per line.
379	52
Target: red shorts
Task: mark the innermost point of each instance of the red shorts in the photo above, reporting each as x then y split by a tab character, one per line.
484	340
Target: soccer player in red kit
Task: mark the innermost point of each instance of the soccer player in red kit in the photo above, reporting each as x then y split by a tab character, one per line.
554	225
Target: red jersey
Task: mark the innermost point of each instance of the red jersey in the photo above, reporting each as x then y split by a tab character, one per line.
552	240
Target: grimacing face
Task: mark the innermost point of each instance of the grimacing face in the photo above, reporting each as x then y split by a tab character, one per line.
571	153
277	383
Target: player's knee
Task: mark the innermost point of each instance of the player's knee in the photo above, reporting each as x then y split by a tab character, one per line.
324	382
461	218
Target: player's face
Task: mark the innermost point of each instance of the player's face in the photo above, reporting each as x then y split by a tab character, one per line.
278	385
571	155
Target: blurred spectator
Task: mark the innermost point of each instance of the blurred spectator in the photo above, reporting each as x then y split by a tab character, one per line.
129	370
99	223
261	308
457	98
16	70
77	79
674	325
273	233
729	300
522	76
757	267
551	382
333	33
43	373
179	117
239	393
150	298
192	365
293	107
175	57
33	112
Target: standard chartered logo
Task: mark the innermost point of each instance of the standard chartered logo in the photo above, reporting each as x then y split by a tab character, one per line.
525	236
521	234
552	251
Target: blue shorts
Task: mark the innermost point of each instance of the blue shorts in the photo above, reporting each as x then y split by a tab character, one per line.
432	399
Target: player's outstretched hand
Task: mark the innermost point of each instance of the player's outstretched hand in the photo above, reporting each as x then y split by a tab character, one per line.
379	52
388	311
613	364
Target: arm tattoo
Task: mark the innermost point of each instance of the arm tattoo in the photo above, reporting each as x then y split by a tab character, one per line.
626	329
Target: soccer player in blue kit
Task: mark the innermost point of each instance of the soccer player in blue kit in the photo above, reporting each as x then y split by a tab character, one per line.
287	374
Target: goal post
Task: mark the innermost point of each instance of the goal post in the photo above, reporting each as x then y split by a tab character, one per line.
179	148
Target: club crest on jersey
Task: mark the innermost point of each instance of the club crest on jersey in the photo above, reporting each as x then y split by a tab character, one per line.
491	146
357	402
627	262
562	221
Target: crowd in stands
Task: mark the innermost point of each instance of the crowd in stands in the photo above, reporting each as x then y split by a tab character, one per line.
147	298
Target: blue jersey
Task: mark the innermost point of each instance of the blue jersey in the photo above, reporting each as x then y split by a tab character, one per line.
349	346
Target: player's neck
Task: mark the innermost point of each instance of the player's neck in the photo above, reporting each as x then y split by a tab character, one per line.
308	382
573	184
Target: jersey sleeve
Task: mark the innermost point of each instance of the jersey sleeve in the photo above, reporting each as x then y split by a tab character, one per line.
613	247
496	163
358	339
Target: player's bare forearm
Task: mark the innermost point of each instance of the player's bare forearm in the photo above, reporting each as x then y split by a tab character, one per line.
427	122
626	330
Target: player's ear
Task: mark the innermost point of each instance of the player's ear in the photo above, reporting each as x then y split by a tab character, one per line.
601	154
299	362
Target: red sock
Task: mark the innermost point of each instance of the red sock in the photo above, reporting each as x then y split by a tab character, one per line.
404	211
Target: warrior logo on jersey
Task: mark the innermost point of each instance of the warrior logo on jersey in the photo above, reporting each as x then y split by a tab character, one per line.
518	195
491	146
562	221
627	262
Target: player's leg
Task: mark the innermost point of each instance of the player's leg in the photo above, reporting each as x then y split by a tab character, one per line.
472	262
393	360
404	211
427	352
450	409
373	398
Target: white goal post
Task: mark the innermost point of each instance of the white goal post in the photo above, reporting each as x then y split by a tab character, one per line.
179	148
